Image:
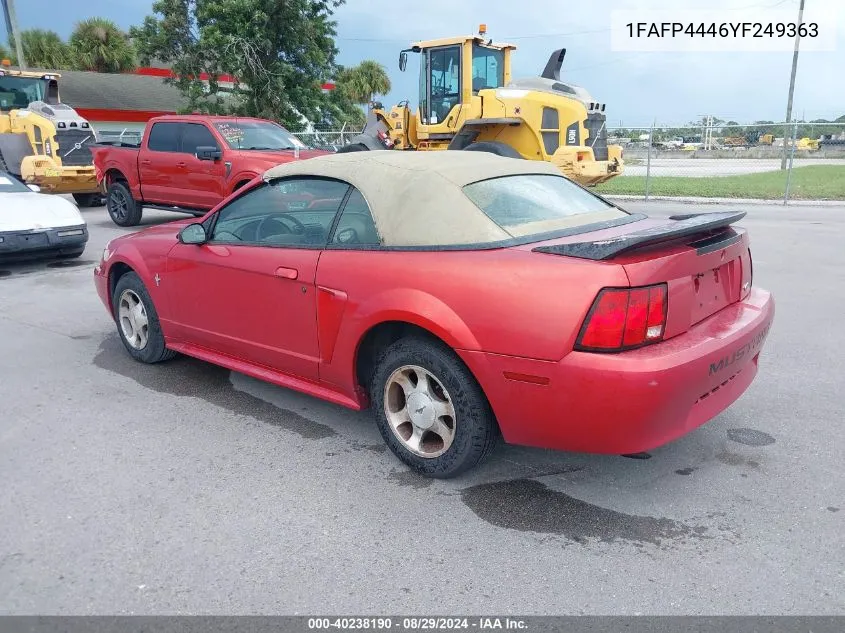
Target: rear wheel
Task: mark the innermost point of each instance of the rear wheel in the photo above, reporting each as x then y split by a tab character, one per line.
430	410
355	147
137	321
494	147
123	209
88	199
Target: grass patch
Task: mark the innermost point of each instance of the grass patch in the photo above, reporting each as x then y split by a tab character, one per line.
813	182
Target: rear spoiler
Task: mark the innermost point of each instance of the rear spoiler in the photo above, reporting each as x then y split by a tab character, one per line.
698	224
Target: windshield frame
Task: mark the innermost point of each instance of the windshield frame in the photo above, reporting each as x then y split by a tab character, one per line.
252	124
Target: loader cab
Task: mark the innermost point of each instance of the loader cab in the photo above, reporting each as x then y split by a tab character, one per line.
19	88
453	71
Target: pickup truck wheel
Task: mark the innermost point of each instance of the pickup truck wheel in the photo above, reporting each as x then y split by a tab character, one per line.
123	209
87	199
430	410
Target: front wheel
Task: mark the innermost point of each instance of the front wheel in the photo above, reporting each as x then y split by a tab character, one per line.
123	209
430	410
493	147
137	321
354	147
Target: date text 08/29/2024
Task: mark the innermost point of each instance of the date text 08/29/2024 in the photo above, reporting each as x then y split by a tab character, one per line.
417	623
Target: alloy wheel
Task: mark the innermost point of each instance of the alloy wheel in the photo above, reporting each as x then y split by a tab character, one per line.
420	411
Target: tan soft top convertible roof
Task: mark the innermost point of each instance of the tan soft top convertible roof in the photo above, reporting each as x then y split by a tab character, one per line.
416	197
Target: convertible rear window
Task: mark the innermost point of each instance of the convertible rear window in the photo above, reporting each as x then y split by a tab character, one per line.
529	204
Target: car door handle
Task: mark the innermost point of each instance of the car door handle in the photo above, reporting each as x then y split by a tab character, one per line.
287	273
146	162
181	164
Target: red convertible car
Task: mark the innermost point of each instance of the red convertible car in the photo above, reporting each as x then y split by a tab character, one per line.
462	296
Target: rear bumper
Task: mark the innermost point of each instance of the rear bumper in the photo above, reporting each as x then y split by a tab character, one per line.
67	183
63	241
632	401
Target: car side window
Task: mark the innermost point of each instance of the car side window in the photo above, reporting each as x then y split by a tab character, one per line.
288	212
356	226
164	137
196	135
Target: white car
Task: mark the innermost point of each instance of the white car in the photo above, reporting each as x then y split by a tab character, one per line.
35	224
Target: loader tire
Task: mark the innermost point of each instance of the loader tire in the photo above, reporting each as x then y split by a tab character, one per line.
88	199
354	147
493	147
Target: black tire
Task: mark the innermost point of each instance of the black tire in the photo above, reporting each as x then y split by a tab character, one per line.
154	351
123	209
354	147
476	432
88	199
493	147
72	254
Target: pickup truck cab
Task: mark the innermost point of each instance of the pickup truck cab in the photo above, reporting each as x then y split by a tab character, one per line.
190	163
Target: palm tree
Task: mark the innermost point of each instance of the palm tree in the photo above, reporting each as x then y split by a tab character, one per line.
43	49
98	44
363	82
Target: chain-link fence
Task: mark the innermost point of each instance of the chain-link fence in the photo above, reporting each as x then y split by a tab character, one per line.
716	159
770	161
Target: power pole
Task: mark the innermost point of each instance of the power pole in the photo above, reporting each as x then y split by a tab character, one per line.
12	30
788	130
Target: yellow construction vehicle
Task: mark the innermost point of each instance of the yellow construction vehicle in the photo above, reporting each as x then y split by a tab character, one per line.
808	143
43	141
467	101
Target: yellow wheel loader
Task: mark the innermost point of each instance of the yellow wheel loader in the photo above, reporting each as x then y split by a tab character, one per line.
43	141
468	101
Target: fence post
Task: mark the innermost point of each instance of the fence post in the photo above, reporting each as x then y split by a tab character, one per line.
791	158
648	160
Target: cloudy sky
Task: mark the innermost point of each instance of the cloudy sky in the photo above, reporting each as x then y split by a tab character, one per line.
636	86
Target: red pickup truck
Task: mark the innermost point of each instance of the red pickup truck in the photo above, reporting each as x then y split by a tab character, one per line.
190	163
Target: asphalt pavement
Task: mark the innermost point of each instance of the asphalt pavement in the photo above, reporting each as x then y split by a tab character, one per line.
184	488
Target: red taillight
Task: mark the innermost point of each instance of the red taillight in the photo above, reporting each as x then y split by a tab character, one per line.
624	318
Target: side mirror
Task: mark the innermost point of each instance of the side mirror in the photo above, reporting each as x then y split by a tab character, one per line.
403	61
193	234
209	152
34	188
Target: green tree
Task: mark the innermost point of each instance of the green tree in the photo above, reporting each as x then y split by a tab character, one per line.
279	52
5	53
363	82
43	49
340	110
98	44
